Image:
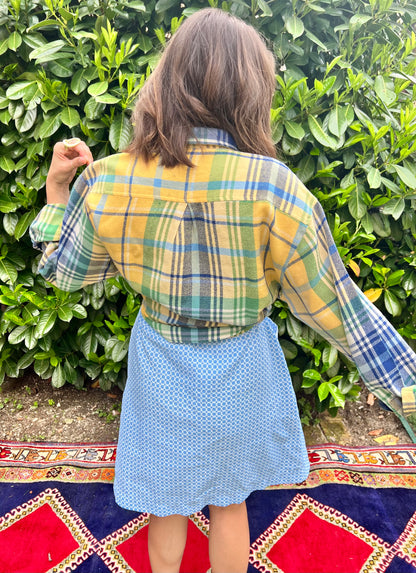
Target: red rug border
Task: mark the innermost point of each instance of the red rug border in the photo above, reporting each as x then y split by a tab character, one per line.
88	462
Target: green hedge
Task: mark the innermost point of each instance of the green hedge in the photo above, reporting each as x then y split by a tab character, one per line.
343	119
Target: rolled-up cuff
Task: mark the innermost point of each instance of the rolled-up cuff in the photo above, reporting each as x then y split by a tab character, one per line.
46	228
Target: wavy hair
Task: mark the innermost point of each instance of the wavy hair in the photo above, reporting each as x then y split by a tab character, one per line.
216	71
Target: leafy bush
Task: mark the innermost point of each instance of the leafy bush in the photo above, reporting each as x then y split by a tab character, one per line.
343	119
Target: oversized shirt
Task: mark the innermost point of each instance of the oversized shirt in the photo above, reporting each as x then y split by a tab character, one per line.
211	247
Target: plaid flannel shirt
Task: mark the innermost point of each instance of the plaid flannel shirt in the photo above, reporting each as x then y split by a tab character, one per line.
211	248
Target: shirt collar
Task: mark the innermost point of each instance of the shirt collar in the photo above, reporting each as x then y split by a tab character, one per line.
212	136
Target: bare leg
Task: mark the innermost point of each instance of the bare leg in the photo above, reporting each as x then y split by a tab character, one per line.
229	538
167	538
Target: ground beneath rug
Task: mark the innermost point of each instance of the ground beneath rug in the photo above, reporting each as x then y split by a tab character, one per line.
356	513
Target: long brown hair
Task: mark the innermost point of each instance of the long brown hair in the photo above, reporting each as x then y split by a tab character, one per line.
216	71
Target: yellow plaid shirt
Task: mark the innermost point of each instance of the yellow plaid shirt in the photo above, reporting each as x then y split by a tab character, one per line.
211	248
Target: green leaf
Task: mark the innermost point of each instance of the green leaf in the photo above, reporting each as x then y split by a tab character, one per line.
294	129
96	289
316	41
30	339
18	334
312	374
356	204
58	377
66	14
359	20
374	178
70	117
340	118
26	360
160	34
409	281
119	350
48	52
62	69
93	109
42	368
24	223
306	168
329	356
65	313
107	99
392	303
5	116
381	225
323	390
289	349
34	39
294	26
388	183
14	41
4	46
277	131
97	303
43	24
120	132
291	146
265	8
338	397
71	373
79	82
383	91
308	383
319	134
26	121
20	89
406	176
9	222
16	109
8	272
88	343
49	126
294	327
137	5
395	278
79	311
8	205
16	260
6	164
163	5
46	322
145	43
98	88
395	207
80	35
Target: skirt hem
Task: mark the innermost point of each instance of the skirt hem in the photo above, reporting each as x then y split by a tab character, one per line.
198	506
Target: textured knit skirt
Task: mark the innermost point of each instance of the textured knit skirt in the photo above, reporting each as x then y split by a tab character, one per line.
206	424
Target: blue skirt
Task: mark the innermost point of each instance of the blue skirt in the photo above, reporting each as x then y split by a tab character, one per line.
206	424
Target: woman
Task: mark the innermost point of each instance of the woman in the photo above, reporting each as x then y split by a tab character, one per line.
211	229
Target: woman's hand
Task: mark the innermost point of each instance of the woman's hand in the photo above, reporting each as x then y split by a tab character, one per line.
65	161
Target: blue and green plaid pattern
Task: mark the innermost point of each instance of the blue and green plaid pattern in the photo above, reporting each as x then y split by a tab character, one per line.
211	248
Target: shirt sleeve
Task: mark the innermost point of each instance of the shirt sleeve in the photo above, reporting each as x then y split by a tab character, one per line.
73	254
319	291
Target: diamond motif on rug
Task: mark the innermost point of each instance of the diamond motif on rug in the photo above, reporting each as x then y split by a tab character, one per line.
406	543
46	535
125	550
325	539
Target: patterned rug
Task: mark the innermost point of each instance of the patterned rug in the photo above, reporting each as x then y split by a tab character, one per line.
356	512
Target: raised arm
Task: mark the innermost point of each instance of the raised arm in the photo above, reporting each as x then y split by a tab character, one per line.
73	255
